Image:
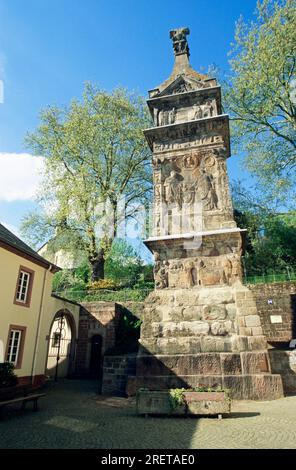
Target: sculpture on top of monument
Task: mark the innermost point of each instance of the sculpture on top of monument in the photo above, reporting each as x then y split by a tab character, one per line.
180	43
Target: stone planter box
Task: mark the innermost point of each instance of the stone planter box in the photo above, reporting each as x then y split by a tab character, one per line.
195	403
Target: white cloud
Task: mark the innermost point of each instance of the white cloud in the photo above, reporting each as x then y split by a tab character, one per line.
20	175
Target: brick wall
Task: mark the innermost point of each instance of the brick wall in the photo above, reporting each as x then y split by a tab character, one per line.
116	370
136	308
276	305
96	318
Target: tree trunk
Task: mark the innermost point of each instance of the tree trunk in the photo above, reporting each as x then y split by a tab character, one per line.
97	269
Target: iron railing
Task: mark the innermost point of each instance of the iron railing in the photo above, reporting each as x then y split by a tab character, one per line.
106	295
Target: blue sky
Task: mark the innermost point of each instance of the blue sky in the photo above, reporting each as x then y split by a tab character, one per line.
49	48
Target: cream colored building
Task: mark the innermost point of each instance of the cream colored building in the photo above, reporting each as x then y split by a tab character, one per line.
62	258
34	324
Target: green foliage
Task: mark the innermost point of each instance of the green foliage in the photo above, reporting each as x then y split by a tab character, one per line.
95	155
123	263
83	272
105	295
270	245
68	280
7	375
177	398
144	285
274	249
261	95
148	272
123	268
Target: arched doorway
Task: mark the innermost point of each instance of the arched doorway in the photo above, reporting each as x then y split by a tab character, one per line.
61	348
95	357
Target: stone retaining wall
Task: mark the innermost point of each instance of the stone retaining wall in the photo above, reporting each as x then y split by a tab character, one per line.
284	363
116	370
276	305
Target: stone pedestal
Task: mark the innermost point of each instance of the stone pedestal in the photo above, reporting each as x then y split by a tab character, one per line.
201	326
205	337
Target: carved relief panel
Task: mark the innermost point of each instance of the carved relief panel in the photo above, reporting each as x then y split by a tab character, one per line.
198	272
190	186
202	108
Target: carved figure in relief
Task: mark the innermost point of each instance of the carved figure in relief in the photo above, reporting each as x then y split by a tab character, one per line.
157	176
236	273
171	116
156	256
197	112
227	270
209	161
188	274
163	117
175	271
173	189
155	116
200	269
161	274
189	162
207	193
160	118
189	192
207	109
157	223
209	274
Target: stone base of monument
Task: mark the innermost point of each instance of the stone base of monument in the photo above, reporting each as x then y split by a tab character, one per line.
205	337
193	403
283	362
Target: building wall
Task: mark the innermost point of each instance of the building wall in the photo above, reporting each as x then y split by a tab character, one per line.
276	304
37	318
62	258
53	306
96	318
59	350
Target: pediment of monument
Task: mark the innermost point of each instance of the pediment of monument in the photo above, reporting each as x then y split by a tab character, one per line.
182	84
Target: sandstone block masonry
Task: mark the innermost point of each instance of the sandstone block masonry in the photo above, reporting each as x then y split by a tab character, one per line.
116	370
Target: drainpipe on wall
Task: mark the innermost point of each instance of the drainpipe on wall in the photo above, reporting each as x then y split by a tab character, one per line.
1	351
39	324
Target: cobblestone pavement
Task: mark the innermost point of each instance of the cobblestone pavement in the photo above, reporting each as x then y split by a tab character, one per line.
73	416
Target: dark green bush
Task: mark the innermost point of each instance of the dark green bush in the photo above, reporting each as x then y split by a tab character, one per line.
7	376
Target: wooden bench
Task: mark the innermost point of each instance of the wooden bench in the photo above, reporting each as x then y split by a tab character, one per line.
34	398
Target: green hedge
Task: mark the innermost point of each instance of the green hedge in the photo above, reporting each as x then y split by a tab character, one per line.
105	295
7	375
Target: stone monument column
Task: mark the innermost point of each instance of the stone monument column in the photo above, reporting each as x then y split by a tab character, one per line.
200	326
